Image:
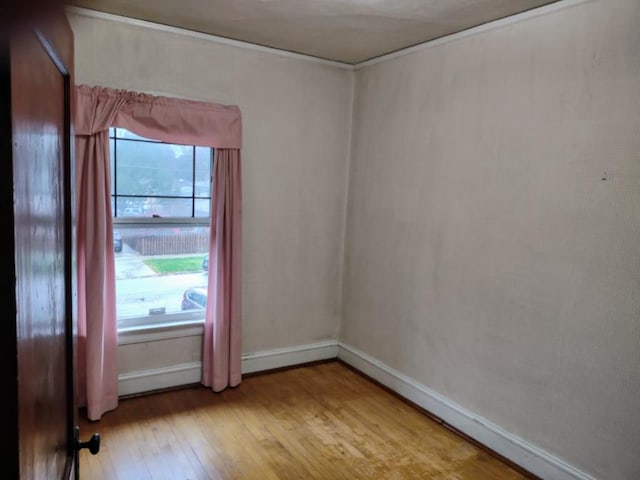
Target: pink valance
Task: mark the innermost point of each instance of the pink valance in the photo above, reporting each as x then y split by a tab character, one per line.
160	118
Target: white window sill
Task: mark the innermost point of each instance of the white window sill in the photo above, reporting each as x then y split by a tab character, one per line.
160	331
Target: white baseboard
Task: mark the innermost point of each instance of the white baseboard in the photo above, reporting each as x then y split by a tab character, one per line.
154	379
141	381
519	451
286	357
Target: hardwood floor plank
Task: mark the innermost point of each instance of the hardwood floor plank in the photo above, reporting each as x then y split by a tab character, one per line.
320	422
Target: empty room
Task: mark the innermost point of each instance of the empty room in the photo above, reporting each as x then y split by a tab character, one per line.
322	239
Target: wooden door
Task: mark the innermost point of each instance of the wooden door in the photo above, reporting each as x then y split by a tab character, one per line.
37	218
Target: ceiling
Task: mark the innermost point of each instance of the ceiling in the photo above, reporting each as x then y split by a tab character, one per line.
349	31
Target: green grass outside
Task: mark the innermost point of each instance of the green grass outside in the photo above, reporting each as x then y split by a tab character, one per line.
175	264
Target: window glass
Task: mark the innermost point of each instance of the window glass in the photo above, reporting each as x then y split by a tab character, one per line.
155	270
203	172
126	134
202	207
112	150
154	206
160	198
144	168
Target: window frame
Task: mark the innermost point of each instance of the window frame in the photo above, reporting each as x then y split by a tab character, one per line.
182	318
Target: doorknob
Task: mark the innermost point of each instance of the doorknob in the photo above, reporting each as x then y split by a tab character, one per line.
93	444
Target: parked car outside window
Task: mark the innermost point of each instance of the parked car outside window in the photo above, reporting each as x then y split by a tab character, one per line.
117	242
194	298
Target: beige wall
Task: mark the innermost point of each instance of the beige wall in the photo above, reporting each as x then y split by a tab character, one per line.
296	117
493	239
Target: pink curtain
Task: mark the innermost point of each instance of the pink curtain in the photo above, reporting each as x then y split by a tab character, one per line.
222	335
170	120
166	119
97	367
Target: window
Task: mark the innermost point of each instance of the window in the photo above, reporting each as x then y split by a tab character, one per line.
160	198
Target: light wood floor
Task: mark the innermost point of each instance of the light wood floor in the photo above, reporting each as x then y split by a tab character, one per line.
317	422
